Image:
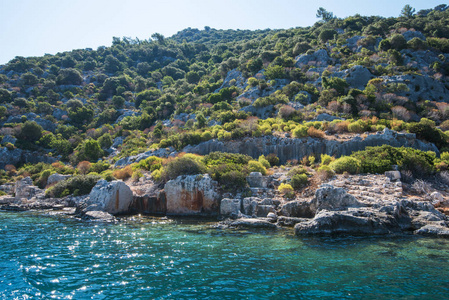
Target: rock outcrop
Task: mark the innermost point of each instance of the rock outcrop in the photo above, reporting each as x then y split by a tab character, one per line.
24	188
288	148
55	178
338	212
192	195
112	197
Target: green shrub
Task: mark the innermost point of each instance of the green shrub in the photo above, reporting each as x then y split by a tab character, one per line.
255	166
233	181
325	172
326	159
264	161
182	166
298	181
150	164
297	171
82	183
300	131
346	164
287	190
273	159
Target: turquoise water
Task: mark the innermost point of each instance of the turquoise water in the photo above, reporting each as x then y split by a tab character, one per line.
45	257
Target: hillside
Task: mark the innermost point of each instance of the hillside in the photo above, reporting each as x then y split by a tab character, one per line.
97	111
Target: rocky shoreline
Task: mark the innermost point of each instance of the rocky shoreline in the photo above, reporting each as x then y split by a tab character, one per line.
351	205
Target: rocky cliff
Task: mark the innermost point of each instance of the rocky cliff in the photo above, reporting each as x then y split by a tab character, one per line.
291	148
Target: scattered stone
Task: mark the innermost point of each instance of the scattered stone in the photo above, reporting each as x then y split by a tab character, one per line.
393	175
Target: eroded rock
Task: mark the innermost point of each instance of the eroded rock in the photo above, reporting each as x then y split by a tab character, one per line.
112	197
192	195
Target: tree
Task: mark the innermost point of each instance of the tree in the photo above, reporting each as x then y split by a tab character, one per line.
90	150
327	34
31	131
5	96
69	76
407	11
159	37
324	14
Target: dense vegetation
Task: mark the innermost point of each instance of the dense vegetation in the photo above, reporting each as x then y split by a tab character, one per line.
87	108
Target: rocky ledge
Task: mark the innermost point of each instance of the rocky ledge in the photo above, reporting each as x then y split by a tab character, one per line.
353	205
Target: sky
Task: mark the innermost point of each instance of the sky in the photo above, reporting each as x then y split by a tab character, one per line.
37	27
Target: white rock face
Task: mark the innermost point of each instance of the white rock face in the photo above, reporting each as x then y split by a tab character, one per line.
25	189
331	198
230	207
54	178
112	197
192	195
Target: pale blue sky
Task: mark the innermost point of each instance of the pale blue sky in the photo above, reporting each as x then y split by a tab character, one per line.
36	27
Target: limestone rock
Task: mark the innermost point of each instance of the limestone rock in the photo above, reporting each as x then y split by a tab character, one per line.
328	197
230	207
296	148
393	175
192	195
320	58
54	178
298	209
96	215
253	223
9	139
348	222
433	230
256	180
112	197
250	205
290	221
24	188
264	210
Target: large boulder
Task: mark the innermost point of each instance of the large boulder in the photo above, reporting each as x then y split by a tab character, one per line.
328	197
256	180
24	188
298	209
354	222
192	195
230	207
55	178
112	197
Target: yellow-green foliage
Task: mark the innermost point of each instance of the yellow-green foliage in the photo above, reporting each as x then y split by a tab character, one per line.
264	161
285	188
150	164
300	131
346	164
157	174
255	166
326	159
357	127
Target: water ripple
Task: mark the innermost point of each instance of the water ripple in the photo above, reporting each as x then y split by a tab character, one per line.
143	258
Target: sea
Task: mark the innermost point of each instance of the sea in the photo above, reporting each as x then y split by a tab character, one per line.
50	256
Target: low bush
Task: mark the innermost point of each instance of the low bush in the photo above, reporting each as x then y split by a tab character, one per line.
182	166
264	161
77	185
255	166
346	164
298	181
273	159
123	173
316	133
